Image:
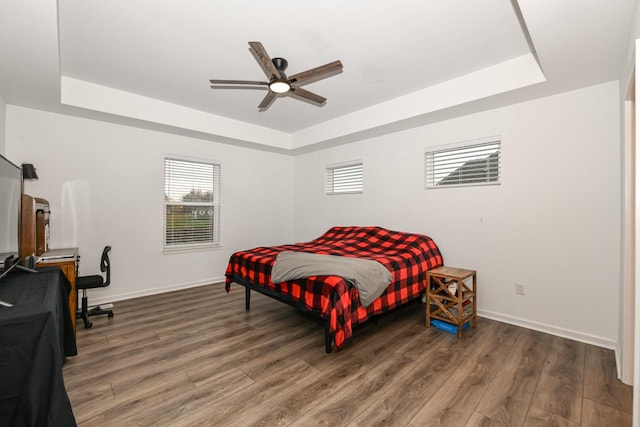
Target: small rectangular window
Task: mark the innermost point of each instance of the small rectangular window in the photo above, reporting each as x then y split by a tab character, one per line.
470	164
345	179
191	203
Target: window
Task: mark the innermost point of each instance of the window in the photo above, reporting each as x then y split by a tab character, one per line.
191	203
345	178
471	163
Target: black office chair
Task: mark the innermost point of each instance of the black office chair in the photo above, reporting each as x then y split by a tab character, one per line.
92	282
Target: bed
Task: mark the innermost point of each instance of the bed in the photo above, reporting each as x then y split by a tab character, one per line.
333	298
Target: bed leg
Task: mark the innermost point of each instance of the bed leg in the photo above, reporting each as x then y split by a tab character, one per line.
247	297
328	341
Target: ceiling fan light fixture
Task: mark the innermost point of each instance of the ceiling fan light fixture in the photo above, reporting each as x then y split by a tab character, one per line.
279	86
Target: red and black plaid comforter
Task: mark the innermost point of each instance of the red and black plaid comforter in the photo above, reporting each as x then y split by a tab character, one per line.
407	256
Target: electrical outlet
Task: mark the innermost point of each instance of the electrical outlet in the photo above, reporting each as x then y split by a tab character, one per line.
520	288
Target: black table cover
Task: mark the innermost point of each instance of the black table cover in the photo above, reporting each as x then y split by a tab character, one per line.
35	336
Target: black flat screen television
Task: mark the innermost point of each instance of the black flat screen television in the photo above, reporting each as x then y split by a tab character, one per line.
10	199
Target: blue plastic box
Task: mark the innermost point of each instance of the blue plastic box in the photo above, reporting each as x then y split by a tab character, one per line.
448	327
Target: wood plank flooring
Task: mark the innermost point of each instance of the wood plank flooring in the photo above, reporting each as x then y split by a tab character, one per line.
196	358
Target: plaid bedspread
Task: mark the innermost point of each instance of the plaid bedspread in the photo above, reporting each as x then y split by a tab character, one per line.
407	256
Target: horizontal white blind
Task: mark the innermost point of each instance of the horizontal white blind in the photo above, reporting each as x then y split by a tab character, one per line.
192	203
345	179
475	164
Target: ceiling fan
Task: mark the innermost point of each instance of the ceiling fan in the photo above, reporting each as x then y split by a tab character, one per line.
278	83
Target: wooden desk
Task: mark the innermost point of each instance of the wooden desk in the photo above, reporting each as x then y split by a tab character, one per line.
67	260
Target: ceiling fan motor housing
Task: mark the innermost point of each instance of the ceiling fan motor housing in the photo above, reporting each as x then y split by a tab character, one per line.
280	63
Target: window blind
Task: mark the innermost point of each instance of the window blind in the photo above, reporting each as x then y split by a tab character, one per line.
192	203
345	179
474	164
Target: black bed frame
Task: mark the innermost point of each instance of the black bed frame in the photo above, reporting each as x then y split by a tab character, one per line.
248	286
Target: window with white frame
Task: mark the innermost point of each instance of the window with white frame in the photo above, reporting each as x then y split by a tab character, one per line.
191	203
346	178
470	163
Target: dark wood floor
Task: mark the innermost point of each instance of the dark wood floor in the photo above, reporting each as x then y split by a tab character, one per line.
195	357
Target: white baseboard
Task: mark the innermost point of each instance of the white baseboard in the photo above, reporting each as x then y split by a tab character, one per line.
618	355
154	291
550	329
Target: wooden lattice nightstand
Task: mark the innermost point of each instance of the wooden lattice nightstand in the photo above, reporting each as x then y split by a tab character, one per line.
449	299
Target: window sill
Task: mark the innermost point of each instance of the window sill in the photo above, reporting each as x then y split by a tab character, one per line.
168	250
474	184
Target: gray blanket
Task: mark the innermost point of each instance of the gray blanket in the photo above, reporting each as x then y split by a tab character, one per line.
370	277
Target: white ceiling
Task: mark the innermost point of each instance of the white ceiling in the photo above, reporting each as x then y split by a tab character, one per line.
405	63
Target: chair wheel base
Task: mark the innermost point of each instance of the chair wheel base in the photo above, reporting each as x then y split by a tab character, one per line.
96	311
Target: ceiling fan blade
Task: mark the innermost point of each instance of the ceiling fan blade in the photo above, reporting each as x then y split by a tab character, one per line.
264	60
237	87
237	82
305	94
317	73
267	100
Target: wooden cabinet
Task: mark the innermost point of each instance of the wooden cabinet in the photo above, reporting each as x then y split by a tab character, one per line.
34	226
69	267
27	227
450	299
34	240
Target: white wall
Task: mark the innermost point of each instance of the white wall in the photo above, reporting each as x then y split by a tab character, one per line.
554	223
3	113
625	346
629	336
105	185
